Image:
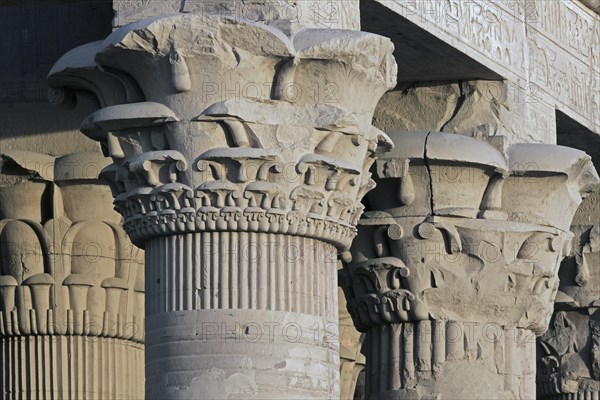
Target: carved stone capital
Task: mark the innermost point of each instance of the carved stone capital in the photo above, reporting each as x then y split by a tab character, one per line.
457	232
459	237
69	279
444	268
220	124
67	267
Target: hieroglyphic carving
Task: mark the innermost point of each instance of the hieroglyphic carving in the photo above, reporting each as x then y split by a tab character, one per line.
332	14
569	79
491	28
568	25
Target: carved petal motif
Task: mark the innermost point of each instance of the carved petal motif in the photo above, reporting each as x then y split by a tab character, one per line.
260	129
477	242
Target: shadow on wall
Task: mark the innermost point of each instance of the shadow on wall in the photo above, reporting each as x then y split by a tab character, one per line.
572	134
34	35
421	56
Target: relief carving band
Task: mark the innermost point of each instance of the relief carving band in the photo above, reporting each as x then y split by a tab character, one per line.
226	134
455	267
71	283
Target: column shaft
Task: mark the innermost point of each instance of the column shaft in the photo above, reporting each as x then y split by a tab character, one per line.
428	358
70	367
241	313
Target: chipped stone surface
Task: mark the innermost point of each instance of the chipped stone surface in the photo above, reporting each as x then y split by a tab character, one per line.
416	108
487	110
568	354
589	210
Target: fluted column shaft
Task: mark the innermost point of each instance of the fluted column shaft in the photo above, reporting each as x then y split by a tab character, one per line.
429	358
242	314
70	367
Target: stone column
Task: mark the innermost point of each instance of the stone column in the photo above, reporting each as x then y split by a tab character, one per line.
241	153
71	283
454	270
569	352
352	361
